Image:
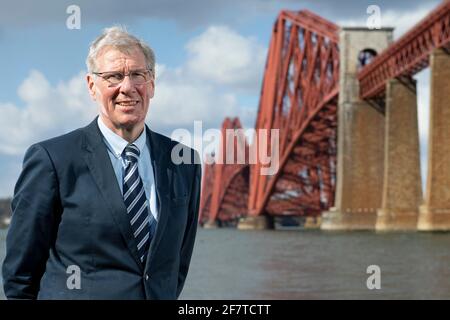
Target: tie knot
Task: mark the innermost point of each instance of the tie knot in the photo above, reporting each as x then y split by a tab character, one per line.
131	153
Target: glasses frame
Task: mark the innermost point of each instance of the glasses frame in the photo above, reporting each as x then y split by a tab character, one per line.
102	75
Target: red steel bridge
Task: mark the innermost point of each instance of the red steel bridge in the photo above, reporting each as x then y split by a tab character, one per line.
299	97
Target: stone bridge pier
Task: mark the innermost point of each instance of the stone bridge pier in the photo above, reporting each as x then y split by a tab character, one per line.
361	139
435	211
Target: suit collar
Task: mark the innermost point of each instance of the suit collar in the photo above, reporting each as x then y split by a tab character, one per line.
158	149
93	136
116	143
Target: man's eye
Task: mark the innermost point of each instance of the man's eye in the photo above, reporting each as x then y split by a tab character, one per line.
114	77
138	75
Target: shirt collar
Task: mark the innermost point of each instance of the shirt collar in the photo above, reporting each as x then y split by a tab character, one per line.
116	143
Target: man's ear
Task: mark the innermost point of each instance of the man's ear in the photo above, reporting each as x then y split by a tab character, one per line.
152	88
91	86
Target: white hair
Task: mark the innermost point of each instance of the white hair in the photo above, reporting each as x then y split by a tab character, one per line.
118	38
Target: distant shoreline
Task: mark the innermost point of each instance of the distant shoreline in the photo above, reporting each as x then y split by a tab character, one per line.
5	212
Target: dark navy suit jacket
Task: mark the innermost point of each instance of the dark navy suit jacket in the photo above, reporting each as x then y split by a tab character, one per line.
68	211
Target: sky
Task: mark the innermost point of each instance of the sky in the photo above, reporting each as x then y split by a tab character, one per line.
210	57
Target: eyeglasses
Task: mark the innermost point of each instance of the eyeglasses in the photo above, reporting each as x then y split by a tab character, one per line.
114	78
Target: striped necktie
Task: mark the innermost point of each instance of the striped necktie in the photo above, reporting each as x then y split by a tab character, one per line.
138	210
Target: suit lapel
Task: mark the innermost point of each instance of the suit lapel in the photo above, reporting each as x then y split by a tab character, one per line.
163	178
99	163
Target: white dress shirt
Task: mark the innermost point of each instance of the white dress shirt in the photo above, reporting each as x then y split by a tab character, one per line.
115	145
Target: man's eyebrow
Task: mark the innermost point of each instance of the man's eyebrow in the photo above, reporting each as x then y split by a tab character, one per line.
131	70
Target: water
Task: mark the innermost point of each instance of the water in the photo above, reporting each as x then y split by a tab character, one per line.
233	264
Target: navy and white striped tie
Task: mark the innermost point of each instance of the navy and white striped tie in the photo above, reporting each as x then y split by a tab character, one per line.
138	210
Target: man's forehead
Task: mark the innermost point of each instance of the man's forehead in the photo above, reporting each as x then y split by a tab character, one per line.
116	58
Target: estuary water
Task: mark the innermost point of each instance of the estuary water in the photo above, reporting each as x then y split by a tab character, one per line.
235	264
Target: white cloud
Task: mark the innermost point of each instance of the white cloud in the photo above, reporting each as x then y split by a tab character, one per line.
405	20
225	57
179	101
221	64
47	111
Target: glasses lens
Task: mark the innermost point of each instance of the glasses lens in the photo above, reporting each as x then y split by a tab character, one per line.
138	77
114	78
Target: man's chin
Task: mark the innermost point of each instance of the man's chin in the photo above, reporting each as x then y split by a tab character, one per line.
131	122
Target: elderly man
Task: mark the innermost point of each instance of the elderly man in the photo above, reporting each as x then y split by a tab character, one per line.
103	212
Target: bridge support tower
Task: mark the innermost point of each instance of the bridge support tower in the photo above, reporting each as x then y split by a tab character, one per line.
361	128
435	212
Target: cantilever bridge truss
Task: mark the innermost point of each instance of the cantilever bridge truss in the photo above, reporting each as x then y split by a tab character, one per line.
299	98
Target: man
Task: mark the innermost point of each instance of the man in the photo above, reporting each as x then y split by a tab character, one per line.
103	212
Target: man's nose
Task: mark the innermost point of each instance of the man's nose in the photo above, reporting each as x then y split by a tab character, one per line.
127	86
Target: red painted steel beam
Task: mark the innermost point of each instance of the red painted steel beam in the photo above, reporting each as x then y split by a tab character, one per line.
299	97
409	55
312	22
206	192
226	193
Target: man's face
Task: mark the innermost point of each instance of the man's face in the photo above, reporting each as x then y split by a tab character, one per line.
126	104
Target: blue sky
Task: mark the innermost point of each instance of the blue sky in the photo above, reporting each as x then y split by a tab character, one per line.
210	60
